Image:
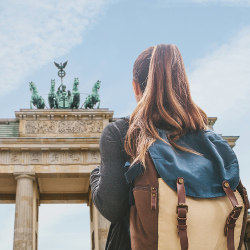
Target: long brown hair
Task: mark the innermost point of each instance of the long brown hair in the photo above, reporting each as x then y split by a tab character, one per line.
166	102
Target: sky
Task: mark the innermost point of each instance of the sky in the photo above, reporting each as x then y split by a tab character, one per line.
101	40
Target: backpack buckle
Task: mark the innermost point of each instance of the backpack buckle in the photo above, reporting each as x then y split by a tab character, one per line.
181	205
232	217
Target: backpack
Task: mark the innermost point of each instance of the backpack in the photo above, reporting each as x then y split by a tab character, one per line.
184	201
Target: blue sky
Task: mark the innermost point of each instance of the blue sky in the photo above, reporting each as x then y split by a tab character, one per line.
101	39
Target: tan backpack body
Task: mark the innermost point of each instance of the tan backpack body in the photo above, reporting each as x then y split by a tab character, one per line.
165	219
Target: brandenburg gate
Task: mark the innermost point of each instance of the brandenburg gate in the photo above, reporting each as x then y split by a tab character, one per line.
46	156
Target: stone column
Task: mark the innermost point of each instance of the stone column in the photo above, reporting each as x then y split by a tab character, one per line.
99	227
36	203
23	232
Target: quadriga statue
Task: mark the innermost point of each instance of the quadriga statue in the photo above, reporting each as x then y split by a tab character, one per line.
93	98
36	100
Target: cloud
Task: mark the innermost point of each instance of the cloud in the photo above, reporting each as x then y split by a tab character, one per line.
226	2
233	3
7	213
49	215
61	226
34	32
220	85
64	226
220	81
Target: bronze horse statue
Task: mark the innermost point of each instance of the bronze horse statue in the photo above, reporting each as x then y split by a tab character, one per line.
93	98
36	99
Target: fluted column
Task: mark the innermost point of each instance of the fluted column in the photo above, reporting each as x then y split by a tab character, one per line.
99	228
23	232
36	203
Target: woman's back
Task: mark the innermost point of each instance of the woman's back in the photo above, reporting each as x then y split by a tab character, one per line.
170	152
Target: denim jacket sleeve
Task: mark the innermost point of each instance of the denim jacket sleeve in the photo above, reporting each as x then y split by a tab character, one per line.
108	185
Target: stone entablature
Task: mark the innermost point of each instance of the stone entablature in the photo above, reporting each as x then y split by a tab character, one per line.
62	123
63	157
52	128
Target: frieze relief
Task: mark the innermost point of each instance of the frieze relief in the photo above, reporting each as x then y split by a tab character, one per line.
63	127
35	157
4	157
49	157
73	157
40	127
93	157
55	157
15	157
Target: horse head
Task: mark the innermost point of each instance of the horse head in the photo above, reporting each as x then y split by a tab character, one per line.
76	83
32	86
97	85
53	83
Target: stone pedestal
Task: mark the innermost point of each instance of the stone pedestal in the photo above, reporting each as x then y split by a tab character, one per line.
23	232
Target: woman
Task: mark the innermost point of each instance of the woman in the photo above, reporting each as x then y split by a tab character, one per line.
165	114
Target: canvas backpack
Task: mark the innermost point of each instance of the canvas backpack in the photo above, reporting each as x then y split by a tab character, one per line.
164	217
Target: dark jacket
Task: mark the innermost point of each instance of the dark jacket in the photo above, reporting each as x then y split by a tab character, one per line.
108	185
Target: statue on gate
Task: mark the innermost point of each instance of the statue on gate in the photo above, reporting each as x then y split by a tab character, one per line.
36	99
93	98
52	98
75	99
63	99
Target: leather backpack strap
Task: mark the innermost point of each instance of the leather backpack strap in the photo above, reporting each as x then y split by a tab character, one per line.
243	192
181	210
232	217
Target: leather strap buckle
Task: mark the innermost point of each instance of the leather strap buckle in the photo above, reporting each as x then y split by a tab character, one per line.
232	218
237	207
181	227
181	205
181	218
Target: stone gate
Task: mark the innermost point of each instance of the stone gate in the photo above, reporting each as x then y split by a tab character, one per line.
46	156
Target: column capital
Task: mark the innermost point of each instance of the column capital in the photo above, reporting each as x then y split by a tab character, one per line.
25	176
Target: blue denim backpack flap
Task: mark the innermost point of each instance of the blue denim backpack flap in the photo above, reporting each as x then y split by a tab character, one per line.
203	174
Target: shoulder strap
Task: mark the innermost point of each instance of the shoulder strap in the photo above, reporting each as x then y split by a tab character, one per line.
232	217
243	192
181	210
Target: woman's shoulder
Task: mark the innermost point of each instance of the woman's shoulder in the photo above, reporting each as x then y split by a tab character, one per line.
117	128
